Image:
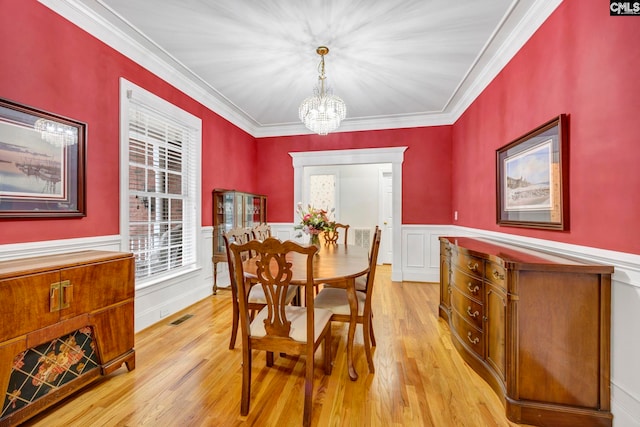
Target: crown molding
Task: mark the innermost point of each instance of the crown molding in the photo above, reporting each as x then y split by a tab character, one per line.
110	28
360	124
106	25
516	29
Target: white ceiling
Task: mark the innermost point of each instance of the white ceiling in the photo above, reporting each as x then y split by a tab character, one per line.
395	63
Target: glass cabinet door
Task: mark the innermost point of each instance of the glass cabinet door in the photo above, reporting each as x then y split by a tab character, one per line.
248	211
229	209
238	219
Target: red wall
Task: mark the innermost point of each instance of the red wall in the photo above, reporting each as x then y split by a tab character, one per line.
584	63
50	64
581	62
426	179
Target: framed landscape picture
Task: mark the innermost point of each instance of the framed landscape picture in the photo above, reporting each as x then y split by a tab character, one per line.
42	163
532	178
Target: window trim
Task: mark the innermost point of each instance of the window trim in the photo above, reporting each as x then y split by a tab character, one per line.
129	90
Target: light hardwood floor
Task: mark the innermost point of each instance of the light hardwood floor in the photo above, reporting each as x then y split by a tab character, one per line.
186	376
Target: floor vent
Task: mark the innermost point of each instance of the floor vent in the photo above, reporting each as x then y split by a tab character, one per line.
181	319
362	237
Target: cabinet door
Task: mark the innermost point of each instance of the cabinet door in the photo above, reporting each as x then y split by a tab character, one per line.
90	287
238	214
29	303
248	210
495	328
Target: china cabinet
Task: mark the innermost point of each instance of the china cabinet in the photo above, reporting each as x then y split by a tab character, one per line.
233	209
535	326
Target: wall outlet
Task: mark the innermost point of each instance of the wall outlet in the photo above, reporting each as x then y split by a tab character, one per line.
164	312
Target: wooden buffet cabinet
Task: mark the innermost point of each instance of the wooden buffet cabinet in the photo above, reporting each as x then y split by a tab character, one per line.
66	320
534	325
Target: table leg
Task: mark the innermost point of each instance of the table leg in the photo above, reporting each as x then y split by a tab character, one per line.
353	310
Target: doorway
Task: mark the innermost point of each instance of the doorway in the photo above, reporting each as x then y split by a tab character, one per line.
392	155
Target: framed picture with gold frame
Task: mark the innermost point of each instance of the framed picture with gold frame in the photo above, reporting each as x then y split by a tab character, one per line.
42	163
532	178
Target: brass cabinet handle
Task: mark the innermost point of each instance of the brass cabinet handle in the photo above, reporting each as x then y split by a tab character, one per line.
498	275
54	297
60	295
473	290
474	314
66	294
472	267
475	340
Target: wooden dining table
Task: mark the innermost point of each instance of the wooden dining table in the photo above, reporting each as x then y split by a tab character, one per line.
335	264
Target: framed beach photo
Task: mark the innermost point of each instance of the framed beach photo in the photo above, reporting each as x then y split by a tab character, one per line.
42	163
532	178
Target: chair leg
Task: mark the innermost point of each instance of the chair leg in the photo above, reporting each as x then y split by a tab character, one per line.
308	388
246	381
326	352
269	358
373	336
366	325
234	328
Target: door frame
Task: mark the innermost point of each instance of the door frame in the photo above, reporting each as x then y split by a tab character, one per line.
381	220
393	155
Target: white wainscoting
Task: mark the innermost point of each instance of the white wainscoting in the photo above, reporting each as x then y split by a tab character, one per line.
420	262
51	247
153	302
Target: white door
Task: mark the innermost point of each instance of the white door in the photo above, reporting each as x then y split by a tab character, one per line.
385	256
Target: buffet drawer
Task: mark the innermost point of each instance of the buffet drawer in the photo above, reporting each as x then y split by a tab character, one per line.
495	273
468	263
468	334
467	308
470	286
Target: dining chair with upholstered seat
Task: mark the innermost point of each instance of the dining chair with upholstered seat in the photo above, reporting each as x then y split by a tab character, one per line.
361	282
280	327
336	300
332	236
256	299
261	231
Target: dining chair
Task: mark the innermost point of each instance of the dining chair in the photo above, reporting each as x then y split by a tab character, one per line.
280	327
256	299
332	236
261	231
336	300
361	282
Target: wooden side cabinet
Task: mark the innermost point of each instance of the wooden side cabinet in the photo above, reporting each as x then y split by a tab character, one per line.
536	326
66	320
233	209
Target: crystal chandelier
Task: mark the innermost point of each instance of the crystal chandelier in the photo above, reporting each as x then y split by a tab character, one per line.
322	112
56	133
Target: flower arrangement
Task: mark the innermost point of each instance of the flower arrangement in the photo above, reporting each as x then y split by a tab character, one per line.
313	221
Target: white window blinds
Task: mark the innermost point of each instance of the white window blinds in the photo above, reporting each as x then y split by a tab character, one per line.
162	189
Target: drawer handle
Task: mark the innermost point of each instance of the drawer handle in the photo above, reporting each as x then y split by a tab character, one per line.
474	314
472	267
475	340
498	275
473	290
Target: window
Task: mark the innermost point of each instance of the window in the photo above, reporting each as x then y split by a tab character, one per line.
161	183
